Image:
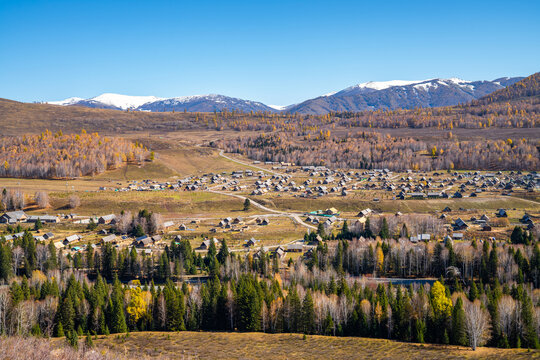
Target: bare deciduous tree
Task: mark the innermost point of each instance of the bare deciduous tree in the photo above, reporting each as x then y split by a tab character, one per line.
42	199
507	314
156	223
42	252
46	314
476	323
18	254
4	305
124	221
74	201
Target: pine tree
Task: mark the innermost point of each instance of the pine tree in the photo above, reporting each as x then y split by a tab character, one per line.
223	253
308	314
72	339
328	325
59	330
530	335
384	233
89	342
5	262
118	319
247	204
248	304
459	336
67	315
345	233
367	229
38	225
473	291
320	229
517	235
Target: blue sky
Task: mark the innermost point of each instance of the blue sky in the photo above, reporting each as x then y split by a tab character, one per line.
277	52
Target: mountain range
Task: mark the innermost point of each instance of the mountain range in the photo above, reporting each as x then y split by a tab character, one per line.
366	96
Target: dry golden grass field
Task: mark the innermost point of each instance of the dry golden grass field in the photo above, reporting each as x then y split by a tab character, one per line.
218	345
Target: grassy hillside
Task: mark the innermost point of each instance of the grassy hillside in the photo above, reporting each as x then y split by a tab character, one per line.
215	345
17	118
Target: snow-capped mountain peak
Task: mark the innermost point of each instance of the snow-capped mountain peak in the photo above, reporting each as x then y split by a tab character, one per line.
401	94
381	85
201	103
68	101
124	101
372	95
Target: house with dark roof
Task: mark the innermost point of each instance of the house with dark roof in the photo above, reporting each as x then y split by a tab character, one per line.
459	224
108	239
107	219
52	219
13	217
501	213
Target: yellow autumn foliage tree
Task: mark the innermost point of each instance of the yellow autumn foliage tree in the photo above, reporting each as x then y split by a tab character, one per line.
442	304
137	304
380	259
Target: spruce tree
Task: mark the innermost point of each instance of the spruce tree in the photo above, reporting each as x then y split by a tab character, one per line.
308	314
89	342
247	204
38	225
118	319
223	253
385	232
473	291
458	324
59	330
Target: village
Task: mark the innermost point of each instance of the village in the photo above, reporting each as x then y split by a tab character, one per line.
449	213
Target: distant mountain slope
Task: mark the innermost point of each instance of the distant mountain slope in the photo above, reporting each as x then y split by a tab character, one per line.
197	103
204	103
396	94
401	94
527	87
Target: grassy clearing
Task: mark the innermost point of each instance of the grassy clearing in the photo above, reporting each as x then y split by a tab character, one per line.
217	345
197	161
170	203
156	170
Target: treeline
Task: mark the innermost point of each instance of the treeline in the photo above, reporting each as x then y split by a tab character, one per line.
58	156
368	150
70	305
466	261
23	255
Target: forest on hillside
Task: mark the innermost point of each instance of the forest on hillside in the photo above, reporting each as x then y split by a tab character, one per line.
59	156
528	87
487	293
369	150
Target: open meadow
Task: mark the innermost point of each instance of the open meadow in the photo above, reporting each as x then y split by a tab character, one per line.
217	345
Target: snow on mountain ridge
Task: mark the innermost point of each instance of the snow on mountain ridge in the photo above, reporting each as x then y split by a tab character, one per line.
68	101
124	101
381	85
423	84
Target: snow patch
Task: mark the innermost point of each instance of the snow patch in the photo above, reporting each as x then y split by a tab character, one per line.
381	85
279	107
68	101
124	102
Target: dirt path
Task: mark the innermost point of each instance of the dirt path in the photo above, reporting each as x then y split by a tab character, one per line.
222	154
294	216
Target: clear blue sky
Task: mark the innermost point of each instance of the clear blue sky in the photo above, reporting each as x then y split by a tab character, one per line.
277	52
